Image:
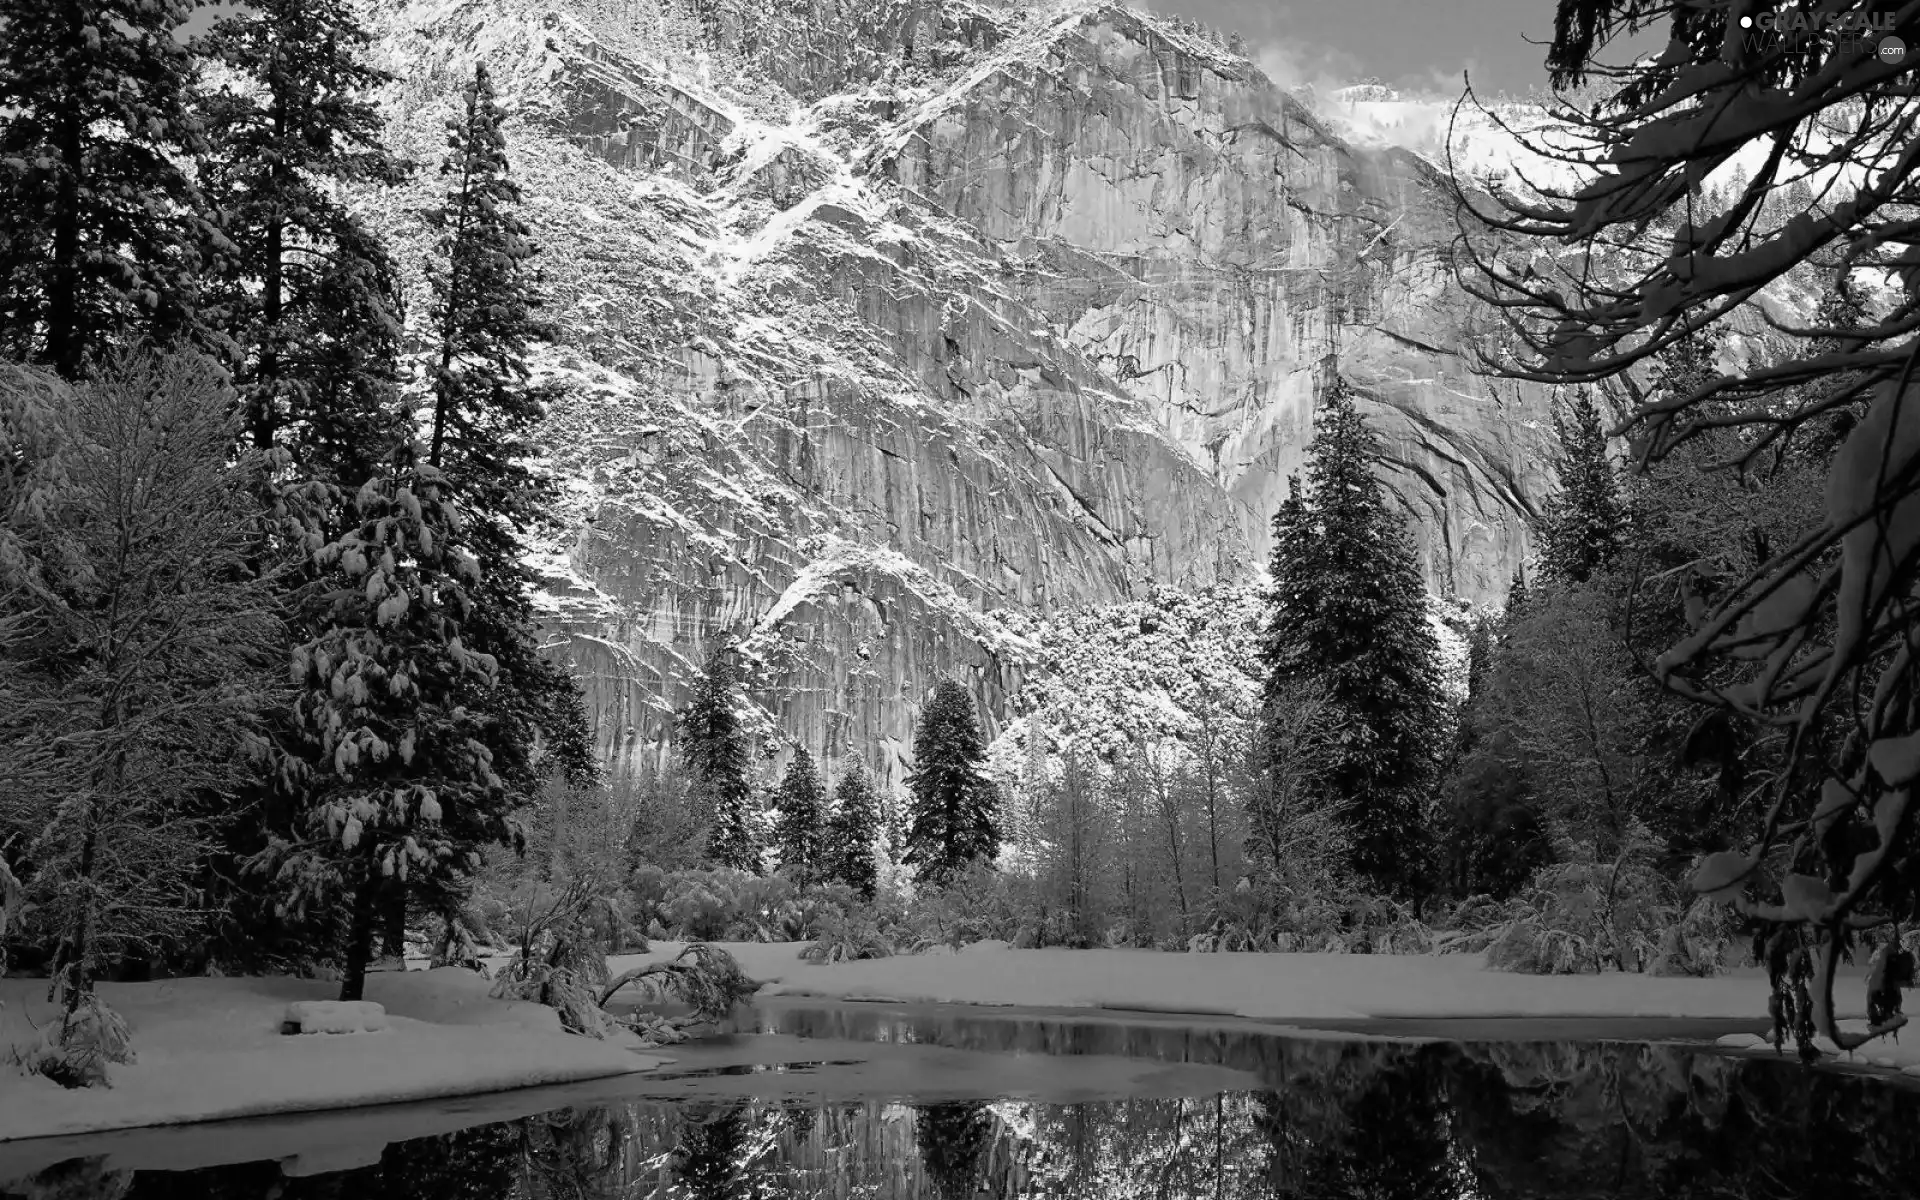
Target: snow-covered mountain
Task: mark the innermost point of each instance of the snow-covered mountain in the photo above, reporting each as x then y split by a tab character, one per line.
883	317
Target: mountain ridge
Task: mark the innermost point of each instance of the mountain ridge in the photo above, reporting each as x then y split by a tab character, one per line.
1008	310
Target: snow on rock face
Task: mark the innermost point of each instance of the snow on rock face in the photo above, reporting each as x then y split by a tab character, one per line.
879	317
333	1016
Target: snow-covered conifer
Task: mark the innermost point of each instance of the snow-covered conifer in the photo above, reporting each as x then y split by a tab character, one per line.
713	748
1582	527
1349	615
800	820
100	222
955	812
851	833
485	297
305	289
396	788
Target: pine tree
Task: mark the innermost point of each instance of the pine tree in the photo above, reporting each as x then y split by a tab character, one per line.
714	751
307	291
99	221
485	309
800	825
484	412
955	818
851	833
397	788
1517	596
1479	670
310	298
1349	614
1582	528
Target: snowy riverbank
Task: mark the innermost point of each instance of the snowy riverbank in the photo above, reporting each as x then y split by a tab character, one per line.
211	1049
1267	987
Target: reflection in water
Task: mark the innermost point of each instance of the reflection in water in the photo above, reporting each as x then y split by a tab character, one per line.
1335	1119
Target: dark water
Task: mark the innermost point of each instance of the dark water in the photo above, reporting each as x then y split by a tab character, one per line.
1307	1117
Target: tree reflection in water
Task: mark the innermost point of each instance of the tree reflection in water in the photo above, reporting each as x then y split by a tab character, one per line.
1365	1120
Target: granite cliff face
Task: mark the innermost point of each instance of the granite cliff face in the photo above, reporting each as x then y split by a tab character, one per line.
882	317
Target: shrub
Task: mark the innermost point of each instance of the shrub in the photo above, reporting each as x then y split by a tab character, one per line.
1587	915
76	1050
702	905
978	904
729	905
1336	919
559	960
846	937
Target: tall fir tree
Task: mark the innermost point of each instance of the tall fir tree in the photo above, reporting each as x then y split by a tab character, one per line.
1584	522
395	785
307	290
1349	615
100	223
851	833
485	297
955	812
309	297
800	820
714	751
1517	596
486	308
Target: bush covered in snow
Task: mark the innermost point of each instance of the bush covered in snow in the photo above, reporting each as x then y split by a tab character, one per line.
726	905
76	1049
1584	915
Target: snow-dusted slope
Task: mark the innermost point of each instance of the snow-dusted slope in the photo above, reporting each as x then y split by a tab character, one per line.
880	316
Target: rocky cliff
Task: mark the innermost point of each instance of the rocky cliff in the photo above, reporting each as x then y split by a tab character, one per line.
881	317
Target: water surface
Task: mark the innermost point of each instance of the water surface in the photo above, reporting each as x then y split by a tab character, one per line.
858	1101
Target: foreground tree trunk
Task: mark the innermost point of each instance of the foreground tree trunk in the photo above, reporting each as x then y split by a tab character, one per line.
393	926
360	927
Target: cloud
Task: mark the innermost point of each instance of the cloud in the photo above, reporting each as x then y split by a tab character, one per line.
1296	62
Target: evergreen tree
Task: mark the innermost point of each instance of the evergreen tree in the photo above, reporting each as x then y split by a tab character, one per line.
484	412
1582	528
485	310
1349	614
851	833
99	221
307	291
395	786
310	298
955	818
714	751
800	825
1479	668
1516	596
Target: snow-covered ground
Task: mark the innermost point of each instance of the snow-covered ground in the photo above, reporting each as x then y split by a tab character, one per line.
1269	987
208	1049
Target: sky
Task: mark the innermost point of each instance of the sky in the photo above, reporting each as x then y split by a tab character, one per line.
1421	45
